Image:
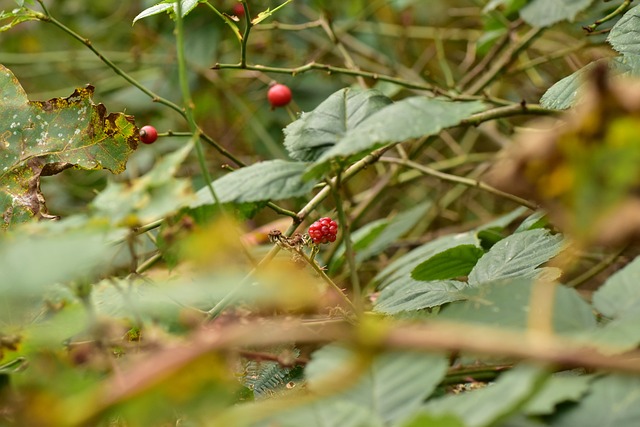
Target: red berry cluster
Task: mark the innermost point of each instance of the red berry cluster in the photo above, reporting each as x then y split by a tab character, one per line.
323	230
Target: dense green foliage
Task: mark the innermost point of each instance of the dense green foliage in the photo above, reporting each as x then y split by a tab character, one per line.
484	271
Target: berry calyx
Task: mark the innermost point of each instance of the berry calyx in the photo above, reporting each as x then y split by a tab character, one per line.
279	95
148	134
323	230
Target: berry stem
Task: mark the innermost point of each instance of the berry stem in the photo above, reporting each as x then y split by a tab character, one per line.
348	244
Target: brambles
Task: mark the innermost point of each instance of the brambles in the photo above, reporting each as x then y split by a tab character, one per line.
148	134
323	230
279	95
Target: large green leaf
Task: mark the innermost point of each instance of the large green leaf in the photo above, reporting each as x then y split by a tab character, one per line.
403	266
148	198
506	303
454	262
315	132
558	389
40	138
620	293
613	400
542	13
268	180
517	255
393	386
324	413
409	118
617	336
624	34
406	294
487	406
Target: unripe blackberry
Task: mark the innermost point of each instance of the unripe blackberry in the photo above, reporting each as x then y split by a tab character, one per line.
323	230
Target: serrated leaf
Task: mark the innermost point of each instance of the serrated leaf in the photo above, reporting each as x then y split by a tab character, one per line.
613	400
148	198
409	118
623	35
403	266
506	303
517	255
556	390
317	131
40	138
268	180
376	236
488	405
543	13
393	386
454	262
621	291
406	294
186	6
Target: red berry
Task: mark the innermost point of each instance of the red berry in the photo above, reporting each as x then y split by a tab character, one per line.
238	10
148	134
279	95
323	230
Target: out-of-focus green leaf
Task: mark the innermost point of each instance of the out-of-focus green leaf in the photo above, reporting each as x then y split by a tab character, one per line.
517	255
487	406
392	387
324	413
422	420
617	336
543	13
506	303
613	400
319	130
263	181
454	262
410	295
558	389
148	198
41	138
620	293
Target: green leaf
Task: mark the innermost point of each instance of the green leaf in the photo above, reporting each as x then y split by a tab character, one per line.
410	295
623	35
148	198
489	405
393	386
507	303
323	413
517	255
558	389
45	138
317	131
17	16
376	236
423	420
403	266
268	180
543	13
617	336
168	5
613	400
409	118
454	262
620	293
